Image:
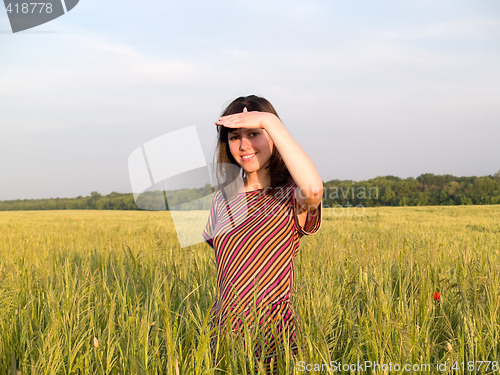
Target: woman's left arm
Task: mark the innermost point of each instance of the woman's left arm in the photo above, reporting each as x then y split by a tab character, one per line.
300	166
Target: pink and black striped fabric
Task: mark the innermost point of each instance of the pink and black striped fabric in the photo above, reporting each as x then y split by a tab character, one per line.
256	238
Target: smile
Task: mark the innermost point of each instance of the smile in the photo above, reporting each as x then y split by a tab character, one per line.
248	157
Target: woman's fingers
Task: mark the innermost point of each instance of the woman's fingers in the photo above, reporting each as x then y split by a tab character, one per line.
243	119
231	121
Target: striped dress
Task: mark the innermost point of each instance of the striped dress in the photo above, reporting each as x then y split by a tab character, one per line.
256	238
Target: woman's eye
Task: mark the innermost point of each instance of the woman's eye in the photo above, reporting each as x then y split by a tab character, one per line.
254	134
233	138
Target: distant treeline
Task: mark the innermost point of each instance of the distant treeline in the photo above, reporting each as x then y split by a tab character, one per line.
425	190
96	201
156	200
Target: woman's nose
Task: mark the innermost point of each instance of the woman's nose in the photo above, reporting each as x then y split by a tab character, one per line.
245	143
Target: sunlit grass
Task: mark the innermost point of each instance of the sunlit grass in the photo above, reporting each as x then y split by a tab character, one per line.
108	292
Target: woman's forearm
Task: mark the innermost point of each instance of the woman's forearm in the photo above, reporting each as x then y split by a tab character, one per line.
299	164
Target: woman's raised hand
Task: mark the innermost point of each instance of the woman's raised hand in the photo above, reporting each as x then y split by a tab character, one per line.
249	120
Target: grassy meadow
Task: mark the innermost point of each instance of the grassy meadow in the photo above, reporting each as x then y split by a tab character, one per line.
111	292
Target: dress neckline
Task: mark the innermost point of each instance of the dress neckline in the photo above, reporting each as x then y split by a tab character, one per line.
257	190
251	191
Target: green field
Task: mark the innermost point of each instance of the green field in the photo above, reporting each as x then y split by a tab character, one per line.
111	292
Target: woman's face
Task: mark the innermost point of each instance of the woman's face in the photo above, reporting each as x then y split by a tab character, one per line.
251	148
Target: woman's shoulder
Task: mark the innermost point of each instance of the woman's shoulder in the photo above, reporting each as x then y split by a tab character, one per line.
219	194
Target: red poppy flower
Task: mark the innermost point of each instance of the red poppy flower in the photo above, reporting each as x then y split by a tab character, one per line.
436	296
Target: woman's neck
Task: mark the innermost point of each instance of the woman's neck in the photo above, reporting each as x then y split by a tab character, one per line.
253	181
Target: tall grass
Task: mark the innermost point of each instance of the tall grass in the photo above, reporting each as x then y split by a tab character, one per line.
103	292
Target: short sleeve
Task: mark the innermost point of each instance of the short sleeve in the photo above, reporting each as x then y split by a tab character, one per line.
208	232
313	220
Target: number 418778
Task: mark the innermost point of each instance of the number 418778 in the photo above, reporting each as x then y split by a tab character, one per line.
29	8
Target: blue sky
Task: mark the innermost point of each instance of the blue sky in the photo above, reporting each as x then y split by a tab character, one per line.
368	88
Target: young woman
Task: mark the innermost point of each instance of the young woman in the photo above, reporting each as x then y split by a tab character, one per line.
255	232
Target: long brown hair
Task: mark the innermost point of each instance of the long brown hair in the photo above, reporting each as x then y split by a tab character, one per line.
225	171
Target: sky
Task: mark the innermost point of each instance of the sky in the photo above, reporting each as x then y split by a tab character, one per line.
368	88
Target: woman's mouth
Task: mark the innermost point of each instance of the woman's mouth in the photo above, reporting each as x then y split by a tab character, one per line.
248	157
